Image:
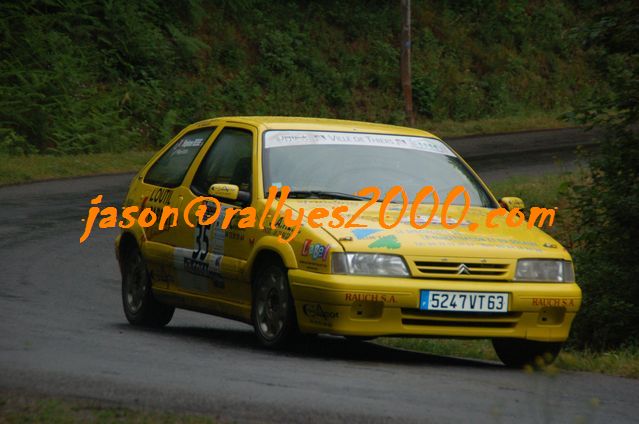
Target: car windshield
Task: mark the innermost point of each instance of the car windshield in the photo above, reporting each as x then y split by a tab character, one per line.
342	162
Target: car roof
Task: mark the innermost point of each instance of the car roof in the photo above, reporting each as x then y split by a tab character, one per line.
315	124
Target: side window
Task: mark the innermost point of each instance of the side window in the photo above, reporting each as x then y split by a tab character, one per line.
228	161
170	168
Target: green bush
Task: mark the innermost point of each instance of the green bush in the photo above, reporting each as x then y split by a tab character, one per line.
93	76
606	254
607	204
424	95
14	144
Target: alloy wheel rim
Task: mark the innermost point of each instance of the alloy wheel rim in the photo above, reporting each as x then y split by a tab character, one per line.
272	304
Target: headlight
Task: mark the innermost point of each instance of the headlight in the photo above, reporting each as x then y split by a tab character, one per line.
368	264
547	270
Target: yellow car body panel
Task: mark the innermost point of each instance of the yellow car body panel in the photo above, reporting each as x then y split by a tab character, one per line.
365	306
346	304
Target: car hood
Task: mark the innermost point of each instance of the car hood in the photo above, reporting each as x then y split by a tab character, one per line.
435	240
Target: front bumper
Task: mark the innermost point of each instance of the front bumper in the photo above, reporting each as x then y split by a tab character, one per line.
382	306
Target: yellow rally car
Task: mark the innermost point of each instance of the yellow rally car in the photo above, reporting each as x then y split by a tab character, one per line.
515	286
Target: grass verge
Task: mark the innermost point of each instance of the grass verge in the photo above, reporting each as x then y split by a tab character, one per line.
22	408
548	191
24	169
622	362
530	122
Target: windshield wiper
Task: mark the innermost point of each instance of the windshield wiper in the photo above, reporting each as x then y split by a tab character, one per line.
320	194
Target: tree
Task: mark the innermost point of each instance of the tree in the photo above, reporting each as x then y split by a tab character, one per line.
607	203
405	62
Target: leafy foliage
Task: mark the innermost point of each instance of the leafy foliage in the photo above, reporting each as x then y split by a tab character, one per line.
91	76
82	76
607	204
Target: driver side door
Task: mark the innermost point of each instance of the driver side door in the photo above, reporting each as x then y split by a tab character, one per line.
210	259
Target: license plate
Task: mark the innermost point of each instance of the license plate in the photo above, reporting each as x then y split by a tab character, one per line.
455	301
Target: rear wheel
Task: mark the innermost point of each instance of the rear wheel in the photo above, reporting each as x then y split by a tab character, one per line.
517	353
140	307
273	309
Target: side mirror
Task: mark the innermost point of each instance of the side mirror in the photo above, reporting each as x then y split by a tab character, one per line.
510	203
229	192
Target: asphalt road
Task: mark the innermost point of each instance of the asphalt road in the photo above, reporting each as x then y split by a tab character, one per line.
63	333
502	156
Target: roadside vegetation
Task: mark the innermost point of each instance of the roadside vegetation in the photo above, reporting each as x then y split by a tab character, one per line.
28	168
549	191
606	201
622	362
93	76
23	408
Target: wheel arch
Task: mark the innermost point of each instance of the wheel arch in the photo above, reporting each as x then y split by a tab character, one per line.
262	257
126	242
270	246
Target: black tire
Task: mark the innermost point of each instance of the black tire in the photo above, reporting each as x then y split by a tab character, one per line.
518	353
140	307
273	308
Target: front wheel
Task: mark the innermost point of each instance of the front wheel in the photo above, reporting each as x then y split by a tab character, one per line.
140	307
273	309
517	353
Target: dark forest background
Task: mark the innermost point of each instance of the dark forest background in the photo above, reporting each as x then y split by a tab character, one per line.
81	76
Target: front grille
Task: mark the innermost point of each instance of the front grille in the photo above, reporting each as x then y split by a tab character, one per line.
459	319
468	270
